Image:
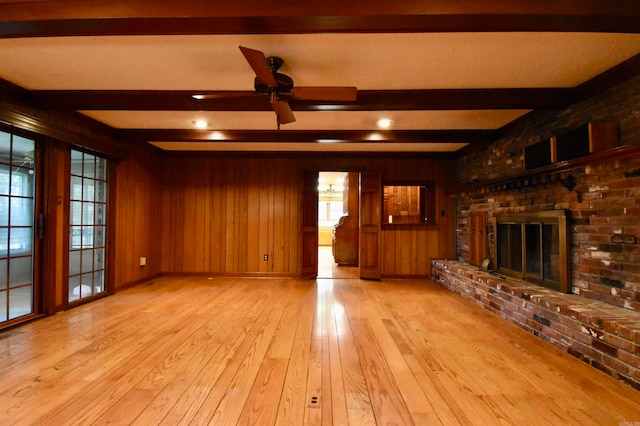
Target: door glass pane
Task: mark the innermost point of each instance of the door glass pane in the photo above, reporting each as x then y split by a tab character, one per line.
17	184
20	301
551	253
87	225
21	211
533	250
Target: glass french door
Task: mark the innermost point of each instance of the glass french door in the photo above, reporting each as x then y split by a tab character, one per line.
87	225
17	201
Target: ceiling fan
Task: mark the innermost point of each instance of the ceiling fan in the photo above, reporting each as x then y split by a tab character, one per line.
269	81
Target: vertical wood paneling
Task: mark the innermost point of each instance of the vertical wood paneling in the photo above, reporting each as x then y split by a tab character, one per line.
136	206
310	225
257	212
218	230
221	214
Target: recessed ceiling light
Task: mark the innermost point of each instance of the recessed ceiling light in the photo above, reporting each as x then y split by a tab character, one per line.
200	124
384	123
198	97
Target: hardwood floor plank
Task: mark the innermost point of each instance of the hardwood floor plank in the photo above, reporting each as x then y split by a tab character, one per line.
388	405
192	350
261	407
336	322
110	387
359	409
110	351
291	408
198	405
189	344
231	406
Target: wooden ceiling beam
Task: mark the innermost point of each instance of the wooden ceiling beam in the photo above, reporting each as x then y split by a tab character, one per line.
293	136
368	100
152	17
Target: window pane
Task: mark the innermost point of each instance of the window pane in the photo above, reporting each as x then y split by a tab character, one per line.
101	169
87	189
74	288
98	282
87	213
99	236
75	215
20	241
5	147
99	258
4	315
75	234
4	242
5	180
20	302
21	211
100	192
4	210
3	275
86	281
100	214
76	163
76	188
87	236
89	166
20	271
87	260
74	262
23	152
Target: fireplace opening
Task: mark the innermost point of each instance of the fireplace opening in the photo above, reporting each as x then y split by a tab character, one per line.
533	247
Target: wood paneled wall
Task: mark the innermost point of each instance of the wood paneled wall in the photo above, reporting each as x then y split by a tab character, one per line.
223	213
407	250
137	222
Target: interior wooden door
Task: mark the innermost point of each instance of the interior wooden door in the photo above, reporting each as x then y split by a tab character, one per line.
309	267
370	216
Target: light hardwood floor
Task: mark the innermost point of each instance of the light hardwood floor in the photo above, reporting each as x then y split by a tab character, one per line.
193	350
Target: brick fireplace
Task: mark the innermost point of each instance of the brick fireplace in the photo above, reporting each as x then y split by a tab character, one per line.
602	335
597	316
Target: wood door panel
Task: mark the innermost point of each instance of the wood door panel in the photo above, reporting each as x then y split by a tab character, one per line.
310	226
370	211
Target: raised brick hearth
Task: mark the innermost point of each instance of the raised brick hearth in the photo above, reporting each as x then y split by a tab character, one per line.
603	335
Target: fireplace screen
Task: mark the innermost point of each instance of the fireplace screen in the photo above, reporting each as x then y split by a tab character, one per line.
533	247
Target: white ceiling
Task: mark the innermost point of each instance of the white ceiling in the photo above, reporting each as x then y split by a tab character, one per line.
379	61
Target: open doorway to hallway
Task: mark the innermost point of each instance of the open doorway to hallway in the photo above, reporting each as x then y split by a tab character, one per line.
338	230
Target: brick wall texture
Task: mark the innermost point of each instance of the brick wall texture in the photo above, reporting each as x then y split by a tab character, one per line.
605	336
604	206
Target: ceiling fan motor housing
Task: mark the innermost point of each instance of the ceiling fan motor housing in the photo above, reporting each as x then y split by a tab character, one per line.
284	84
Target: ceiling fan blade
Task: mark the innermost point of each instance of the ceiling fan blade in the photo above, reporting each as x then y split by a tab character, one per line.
224	94
346	94
260	66
283	111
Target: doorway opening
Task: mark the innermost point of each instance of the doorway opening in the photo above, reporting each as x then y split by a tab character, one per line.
338	224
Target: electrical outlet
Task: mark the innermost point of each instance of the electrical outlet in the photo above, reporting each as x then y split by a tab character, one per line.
143	261
266	257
